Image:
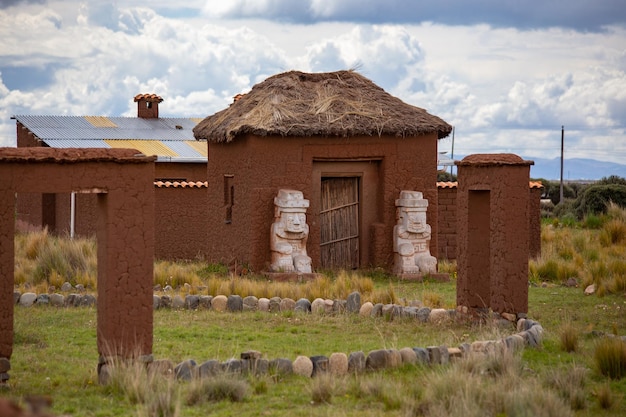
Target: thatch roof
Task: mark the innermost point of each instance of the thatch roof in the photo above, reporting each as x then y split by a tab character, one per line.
342	103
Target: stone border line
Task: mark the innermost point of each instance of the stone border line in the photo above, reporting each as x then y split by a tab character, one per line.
529	333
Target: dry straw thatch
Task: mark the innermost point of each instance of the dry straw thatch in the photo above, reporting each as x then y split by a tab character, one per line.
342	103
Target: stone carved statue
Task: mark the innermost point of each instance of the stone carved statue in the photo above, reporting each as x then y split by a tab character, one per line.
411	236
290	233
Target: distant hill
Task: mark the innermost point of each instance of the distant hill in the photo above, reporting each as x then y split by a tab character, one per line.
575	169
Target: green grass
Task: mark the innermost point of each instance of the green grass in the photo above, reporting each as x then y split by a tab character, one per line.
55	349
55	354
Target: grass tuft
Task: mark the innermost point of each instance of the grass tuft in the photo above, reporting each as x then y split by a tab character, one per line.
218	388
323	387
43	259
605	397
613	233
568	337
570	384
610	357
155	394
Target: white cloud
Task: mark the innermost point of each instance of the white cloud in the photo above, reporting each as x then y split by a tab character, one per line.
503	89
582	15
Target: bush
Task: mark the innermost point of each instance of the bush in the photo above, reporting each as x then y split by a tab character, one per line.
552	190
446	177
596	199
565	208
592	221
612	179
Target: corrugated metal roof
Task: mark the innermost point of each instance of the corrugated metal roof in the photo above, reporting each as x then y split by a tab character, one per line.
100	121
170	150
74	143
200	147
146	147
164	136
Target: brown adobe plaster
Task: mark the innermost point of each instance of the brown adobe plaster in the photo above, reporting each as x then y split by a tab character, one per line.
123	180
486	159
493	232
72	155
257	167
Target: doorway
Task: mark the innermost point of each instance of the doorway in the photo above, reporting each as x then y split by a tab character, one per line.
479	245
339	222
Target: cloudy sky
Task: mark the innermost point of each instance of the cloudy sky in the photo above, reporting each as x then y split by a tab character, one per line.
506	73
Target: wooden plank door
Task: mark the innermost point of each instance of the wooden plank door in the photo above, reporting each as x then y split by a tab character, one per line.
339	223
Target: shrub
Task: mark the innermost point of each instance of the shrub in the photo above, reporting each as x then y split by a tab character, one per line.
596	199
612	179
592	221
564	208
610	357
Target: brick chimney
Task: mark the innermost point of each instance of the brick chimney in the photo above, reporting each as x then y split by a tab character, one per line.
148	106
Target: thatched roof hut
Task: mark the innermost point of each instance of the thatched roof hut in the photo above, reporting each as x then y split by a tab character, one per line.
342	103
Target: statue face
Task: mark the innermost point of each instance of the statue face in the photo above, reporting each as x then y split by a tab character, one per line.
415	221
294	222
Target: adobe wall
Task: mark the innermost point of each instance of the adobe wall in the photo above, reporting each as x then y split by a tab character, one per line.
124	186
534	217
25	138
181	223
447	226
260	166
493	232
447	192
185	171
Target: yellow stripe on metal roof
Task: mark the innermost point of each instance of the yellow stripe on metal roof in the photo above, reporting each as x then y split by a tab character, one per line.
100	121
197	119
200	147
146	147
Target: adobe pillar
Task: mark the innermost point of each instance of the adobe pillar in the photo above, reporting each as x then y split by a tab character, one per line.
124	182
493	232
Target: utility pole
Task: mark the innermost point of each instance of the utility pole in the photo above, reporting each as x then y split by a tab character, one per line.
562	142
452	154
